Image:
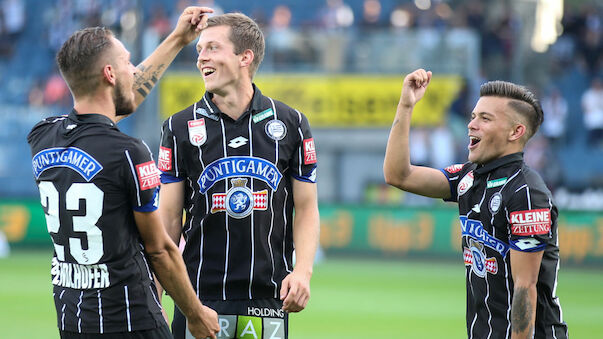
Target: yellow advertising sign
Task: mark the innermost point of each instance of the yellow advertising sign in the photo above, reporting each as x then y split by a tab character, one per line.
328	100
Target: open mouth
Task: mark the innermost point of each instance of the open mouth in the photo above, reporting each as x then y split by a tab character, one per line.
207	71
473	141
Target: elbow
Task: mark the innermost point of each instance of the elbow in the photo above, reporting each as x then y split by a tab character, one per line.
392	178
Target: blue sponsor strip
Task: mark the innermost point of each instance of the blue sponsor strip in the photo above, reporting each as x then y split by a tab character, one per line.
239	167
475	229
70	157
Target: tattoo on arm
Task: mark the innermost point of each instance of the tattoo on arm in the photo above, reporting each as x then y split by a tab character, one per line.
521	311
146	78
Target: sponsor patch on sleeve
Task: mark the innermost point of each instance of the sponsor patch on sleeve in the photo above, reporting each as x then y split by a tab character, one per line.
148	175
165	159
453	168
309	152
530	222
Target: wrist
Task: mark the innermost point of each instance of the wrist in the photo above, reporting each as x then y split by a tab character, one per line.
176	40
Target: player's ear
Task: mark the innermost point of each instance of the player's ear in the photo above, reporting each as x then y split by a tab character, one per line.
109	74
518	131
247	58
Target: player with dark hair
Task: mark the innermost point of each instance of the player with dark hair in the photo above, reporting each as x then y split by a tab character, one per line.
99	187
240	163
508	218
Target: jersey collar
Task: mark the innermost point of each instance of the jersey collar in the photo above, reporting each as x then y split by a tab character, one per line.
90	118
494	164
256	105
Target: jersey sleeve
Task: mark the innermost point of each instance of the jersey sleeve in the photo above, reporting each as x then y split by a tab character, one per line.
168	162
142	177
531	216
303	162
453	174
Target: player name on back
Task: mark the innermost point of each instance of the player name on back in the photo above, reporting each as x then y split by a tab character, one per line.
78	276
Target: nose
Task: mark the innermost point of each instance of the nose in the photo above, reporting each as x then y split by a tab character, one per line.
472	125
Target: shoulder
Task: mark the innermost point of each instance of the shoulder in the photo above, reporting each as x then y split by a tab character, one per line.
283	111
44	124
177	119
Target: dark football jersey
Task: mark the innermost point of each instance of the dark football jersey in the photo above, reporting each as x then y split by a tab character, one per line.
91	178
238	199
505	205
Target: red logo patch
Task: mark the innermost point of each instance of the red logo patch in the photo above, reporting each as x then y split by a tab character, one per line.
148	175
165	159
309	152
530	222
453	168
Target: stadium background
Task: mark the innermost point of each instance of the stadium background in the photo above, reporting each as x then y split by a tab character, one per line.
391	262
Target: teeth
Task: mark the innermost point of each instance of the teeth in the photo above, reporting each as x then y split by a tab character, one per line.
208	71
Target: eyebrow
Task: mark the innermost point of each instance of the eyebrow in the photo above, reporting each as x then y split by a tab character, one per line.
483	113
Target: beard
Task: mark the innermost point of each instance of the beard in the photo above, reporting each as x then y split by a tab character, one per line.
123	106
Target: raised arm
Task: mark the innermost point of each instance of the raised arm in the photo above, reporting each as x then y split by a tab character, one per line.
189	26
170	270
295	289
397	168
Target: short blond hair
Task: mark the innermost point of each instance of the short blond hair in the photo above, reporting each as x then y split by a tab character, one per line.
244	34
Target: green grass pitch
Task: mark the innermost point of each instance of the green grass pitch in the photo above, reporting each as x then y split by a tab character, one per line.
351	298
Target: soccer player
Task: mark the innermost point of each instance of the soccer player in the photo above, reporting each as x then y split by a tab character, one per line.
508	218
240	163
98	188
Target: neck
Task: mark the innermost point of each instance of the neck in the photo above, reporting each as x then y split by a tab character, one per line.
235	101
96	103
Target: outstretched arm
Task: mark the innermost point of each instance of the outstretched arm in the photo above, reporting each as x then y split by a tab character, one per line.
397	169
295	288
189	26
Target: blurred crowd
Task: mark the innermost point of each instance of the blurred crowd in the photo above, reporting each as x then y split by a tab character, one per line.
567	77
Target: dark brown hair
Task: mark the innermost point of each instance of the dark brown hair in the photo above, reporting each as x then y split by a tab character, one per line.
79	56
244	34
522	101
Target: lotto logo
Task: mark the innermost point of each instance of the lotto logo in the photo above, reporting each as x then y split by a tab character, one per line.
309	152
530	222
148	175
165	159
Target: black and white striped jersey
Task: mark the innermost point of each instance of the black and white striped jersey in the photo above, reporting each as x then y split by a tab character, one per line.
239	203
91	178
505	205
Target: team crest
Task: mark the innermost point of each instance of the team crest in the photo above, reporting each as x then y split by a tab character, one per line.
495	202
276	130
465	183
475	256
239	201
197	134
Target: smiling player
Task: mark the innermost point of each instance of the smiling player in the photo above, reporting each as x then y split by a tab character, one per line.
508	218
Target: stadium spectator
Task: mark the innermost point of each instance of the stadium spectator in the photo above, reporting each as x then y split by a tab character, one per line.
592	108
511	260
555	111
103	184
240	230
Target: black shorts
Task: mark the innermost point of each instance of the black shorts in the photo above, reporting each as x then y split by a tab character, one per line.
162	332
247	319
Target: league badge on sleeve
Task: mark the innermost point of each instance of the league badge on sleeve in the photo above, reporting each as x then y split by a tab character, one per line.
197	134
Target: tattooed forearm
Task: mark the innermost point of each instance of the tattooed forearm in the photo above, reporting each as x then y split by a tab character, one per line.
146	78
521	311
